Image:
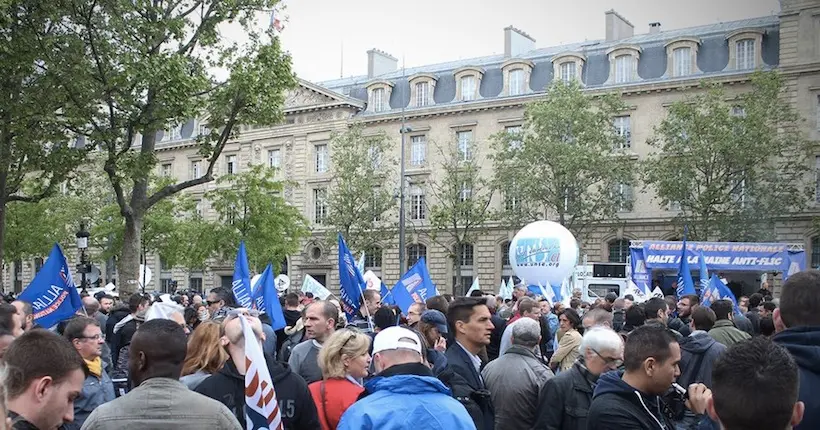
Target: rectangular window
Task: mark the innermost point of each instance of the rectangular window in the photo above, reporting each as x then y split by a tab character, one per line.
623	68
322	158
196	169
468	88
465	139
319	205
195	284
167	285
166	170
230	163
375	157
683	61
418	210
377	98
516	82
511	201
418	150
623	197
624	130
172	133
274	158
422	93
466	192
745	54
568	71
204	130
515	136
465	255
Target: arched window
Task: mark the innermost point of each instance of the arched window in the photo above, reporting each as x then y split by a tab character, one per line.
373	259
815	252
414	253
618	250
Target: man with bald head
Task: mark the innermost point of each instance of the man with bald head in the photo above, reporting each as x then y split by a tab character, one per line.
228	385
159	400
25	312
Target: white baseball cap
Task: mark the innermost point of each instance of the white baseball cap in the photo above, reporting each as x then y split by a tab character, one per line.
396	338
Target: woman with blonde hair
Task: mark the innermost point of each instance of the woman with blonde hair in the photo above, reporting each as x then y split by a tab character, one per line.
205	354
344	360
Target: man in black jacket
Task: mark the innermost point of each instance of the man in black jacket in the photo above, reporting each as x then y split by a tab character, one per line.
228	385
564	400
471	325
631	400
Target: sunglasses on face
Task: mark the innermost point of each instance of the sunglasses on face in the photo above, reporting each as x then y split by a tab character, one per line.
212	302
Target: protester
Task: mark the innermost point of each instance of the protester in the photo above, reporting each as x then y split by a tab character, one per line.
320	323
597	318
228	385
657	314
551	320
515	379
159	400
11	320
699	351
433	327
85	335
743	304
755	386
220	301
370	302
563	402
124	330
631	400
724	330
404	394
414	313
46	375
797	322
6	338
755	300
499	325
469	321
106	303
292	314
25	312
527	308
685	305
618	315
567	350
767	328
205	355
344	361
634	317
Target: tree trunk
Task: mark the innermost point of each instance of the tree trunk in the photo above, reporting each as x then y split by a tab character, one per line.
2	232
129	263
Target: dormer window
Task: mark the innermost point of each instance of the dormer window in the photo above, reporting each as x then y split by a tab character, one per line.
378	96
567	67
422	86
516	77
623	61
469	82
745	48
681	55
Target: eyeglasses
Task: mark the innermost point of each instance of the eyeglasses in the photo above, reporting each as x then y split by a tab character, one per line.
95	337
212	302
611	362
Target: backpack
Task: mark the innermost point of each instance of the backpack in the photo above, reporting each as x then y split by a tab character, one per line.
290	342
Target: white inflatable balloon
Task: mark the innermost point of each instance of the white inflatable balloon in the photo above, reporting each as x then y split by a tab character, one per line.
543	252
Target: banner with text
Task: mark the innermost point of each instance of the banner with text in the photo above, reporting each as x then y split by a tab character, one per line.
737	256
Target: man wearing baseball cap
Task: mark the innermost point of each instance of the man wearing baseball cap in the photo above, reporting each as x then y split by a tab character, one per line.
404	394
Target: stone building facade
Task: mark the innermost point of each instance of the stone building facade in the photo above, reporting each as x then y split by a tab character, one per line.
466	102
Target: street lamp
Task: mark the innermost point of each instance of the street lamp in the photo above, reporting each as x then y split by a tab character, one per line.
82	245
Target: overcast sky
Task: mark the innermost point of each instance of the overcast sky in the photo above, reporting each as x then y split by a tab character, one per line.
433	31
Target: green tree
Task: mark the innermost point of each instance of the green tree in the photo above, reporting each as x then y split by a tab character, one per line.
250	207
35	153
461	198
733	166
360	193
565	163
148	66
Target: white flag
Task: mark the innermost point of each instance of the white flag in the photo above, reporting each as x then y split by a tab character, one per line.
657	292
547	292
473	287
360	263
310	285
372	281
261	407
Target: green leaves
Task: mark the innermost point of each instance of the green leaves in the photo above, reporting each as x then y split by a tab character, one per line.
566	161
733	165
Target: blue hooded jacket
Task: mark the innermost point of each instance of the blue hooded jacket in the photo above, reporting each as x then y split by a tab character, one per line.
406	401
804	345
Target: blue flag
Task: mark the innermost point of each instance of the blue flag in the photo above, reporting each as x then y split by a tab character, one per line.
414	286
241	285
265	297
704	273
720	291
685	284
387	295
52	293
351	283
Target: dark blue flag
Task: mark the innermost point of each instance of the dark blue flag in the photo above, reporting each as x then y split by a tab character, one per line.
52	293
241	285
351	283
414	286
266	297
685	284
387	295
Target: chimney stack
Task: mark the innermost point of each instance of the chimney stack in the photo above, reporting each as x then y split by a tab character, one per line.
516	42
654	27
380	63
617	27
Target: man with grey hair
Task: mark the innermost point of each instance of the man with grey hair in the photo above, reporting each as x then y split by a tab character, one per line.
597	317
515	379
564	400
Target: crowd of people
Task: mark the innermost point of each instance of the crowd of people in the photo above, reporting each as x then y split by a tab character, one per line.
478	362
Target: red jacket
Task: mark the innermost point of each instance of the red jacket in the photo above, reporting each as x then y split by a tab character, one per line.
339	395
